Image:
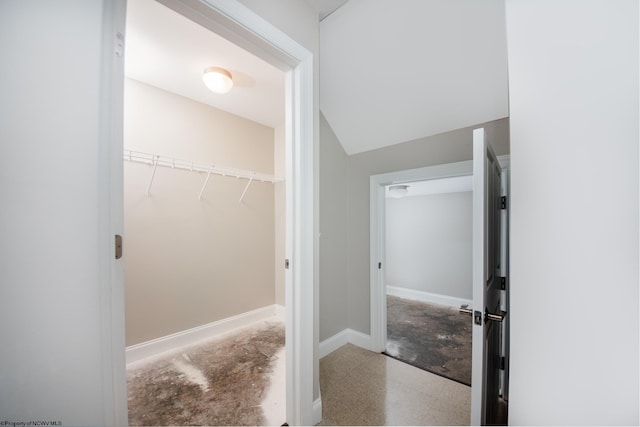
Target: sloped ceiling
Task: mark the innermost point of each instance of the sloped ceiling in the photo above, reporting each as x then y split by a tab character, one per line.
395	71
326	7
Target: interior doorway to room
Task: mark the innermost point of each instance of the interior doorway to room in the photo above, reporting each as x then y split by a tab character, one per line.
379	261
428	248
204	224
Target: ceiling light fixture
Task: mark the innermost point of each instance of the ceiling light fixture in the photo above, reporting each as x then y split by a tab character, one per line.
398	190
217	79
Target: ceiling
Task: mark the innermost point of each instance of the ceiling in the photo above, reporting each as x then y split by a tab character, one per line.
326	7
169	51
390	71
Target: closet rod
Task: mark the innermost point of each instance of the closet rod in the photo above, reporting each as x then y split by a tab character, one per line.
171	162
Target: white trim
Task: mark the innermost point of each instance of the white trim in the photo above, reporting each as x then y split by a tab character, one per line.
504	161
346	336
240	25
359	339
334	342
317	411
428	297
111	218
281	312
168	343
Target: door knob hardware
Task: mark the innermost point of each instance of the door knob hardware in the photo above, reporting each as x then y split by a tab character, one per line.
118	246
495	317
477	315
464	309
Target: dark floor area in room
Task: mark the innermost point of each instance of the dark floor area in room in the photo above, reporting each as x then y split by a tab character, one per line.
431	337
221	382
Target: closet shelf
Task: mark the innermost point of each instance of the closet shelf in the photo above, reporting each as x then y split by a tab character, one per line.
171	162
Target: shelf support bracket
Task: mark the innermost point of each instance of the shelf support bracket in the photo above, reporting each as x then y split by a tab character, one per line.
245	190
206	181
153	174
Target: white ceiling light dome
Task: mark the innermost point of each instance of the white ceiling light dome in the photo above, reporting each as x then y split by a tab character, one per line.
217	79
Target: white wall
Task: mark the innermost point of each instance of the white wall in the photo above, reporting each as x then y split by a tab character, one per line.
573	70
55	251
428	243
190	262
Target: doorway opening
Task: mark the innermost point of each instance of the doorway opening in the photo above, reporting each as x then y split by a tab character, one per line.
378	255
204	221
428	275
244	28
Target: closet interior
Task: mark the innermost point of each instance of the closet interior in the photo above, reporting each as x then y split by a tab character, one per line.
200	235
204	235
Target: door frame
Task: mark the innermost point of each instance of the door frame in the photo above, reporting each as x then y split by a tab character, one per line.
377	201
377	227
240	25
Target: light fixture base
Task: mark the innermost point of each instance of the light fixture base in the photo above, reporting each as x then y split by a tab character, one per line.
217	79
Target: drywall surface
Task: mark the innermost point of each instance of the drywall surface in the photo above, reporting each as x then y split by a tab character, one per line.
333	238
574	255
428	243
52	247
189	262
397	71
448	147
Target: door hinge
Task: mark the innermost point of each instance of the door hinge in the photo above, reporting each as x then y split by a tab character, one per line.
503	202
502	363
503	283
286	264
118	246
379	265
119	45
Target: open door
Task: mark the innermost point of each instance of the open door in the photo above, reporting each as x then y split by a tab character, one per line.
487	285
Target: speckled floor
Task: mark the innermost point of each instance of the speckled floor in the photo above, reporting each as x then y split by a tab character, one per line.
360	387
236	379
431	337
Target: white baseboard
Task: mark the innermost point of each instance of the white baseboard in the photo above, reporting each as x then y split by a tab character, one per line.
429	297
191	336
343	337
317	411
359	339
280	311
333	343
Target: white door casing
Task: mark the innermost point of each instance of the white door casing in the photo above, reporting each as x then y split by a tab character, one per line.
243	27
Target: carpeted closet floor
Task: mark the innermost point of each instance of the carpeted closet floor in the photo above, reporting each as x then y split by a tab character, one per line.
432	337
236	379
